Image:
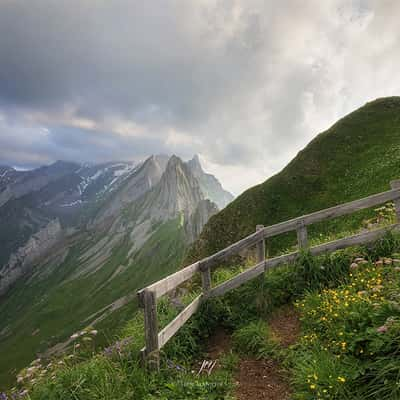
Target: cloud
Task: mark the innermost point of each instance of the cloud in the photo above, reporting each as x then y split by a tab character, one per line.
245	83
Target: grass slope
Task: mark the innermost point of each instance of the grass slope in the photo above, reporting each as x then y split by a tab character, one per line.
356	157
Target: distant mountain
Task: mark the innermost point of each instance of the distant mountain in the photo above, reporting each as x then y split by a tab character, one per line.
77	241
358	156
178	191
64	192
210	186
146	175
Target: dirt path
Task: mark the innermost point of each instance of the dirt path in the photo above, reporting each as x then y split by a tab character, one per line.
218	344
261	379
264	379
285	324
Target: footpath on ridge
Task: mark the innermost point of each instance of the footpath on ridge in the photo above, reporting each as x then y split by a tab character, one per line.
261	379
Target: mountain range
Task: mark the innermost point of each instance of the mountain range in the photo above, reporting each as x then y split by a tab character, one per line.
78	240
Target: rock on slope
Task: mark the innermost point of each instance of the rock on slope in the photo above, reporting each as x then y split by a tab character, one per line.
37	246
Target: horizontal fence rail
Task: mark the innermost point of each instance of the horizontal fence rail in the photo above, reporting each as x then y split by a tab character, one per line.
148	296
178	321
172	281
248	274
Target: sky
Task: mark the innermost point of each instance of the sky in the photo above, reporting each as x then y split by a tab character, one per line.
245	84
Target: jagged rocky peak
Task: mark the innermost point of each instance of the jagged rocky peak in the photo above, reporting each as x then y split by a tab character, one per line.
154	167
176	169
195	164
178	191
137	183
179	181
161	160
210	186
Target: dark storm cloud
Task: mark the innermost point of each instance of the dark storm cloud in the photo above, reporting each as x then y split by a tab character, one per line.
123	56
245	83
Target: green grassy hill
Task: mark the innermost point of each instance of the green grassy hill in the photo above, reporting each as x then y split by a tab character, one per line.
356	157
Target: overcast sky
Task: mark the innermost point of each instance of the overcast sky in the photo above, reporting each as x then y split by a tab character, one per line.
244	83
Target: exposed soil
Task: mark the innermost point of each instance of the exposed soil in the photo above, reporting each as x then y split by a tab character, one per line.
285	324
219	343
264	379
261	379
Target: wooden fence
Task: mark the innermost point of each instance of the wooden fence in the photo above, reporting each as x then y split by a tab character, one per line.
148	296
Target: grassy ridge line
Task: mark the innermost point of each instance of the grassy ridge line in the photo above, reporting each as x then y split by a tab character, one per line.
356	157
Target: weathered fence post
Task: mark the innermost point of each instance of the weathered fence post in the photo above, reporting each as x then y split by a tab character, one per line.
205	278
302	238
260	246
396	185
148	300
